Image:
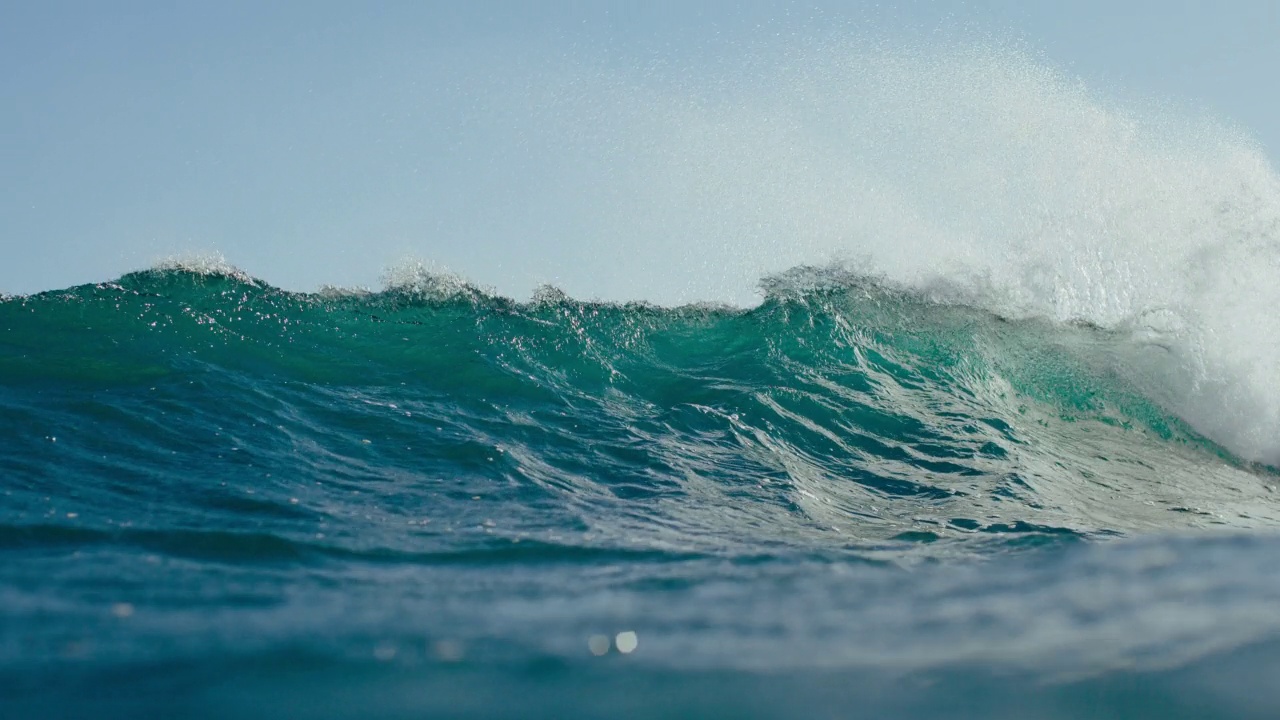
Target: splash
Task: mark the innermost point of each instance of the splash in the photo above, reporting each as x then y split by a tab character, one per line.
206	264
971	172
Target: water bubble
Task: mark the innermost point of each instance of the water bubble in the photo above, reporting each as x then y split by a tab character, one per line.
627	642
598	644
449	650
385	652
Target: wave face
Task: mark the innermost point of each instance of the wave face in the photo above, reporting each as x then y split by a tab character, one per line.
432	499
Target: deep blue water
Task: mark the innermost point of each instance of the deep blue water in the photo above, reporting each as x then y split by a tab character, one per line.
221	499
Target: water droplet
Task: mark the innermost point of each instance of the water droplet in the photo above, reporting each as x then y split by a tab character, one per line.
598	644
449	650
385	652
626	642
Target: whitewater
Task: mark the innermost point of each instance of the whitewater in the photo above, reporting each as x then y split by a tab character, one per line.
867	381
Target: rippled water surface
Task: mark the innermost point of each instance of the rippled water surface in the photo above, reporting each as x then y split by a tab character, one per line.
222	499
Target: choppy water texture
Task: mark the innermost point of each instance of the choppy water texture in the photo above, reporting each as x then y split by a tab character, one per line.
221	499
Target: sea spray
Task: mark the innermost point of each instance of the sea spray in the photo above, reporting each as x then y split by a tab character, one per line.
974	172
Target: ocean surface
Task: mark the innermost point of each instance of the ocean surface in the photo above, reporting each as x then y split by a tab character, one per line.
852	499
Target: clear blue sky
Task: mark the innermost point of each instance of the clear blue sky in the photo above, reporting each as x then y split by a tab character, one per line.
316	142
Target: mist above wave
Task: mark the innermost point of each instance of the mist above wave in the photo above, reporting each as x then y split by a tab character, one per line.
972	172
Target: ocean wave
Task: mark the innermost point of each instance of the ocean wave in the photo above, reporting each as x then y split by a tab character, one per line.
840	407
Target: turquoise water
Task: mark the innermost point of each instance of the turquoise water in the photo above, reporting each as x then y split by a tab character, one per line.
221	499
